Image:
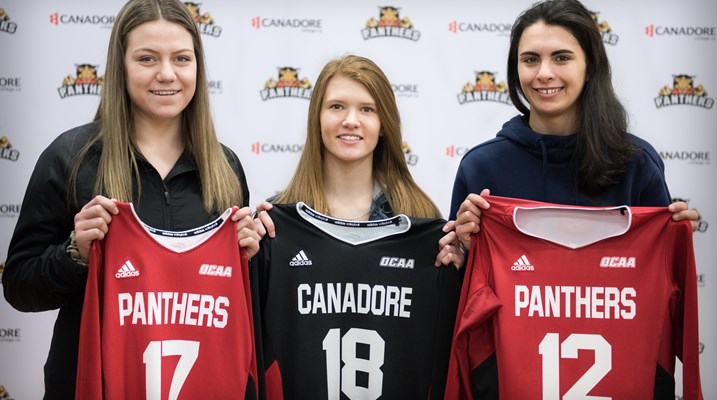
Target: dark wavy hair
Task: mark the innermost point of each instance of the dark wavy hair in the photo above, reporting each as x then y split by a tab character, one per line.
603	148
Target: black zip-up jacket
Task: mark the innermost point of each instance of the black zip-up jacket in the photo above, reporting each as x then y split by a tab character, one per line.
39	275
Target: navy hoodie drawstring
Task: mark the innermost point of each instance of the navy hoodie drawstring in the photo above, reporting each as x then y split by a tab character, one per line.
545	164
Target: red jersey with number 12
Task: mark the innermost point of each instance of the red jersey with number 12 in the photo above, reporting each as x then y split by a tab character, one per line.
573	302
167	315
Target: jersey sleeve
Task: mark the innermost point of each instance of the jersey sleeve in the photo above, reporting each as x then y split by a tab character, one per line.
473	345
685	321
89	362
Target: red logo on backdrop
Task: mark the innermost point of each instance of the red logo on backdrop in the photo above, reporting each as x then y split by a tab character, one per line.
650	30
256	147
256	22
453	26
55	19
453	151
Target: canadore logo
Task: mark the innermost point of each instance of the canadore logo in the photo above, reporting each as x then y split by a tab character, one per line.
683	92
6	150
390	24
287	84
85	81
484	88
6	25
605	30
205	22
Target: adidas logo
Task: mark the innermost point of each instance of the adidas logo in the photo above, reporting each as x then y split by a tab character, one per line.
127	270
300	259
522	264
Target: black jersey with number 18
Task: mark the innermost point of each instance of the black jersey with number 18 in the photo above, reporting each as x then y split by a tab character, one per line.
353	310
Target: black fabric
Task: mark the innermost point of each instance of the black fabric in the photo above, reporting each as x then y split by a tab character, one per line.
39	276
303	266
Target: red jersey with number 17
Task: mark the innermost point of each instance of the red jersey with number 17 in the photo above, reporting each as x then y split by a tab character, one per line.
574	302
167	315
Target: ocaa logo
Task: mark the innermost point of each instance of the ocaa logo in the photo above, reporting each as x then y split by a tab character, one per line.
287	84
215	270
617	262
605	30
85	82
397	262
6	25
6	150
484	88
390	24
205	22
683	92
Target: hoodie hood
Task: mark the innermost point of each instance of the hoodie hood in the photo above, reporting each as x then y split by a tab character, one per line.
551	149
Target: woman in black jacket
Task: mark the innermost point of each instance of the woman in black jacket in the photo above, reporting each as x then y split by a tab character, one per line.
152	143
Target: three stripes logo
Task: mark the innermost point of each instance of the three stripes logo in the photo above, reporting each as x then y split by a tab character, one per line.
300	260
127	270
522	264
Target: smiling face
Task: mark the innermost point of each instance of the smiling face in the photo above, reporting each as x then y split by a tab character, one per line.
161	70
350	125
552	70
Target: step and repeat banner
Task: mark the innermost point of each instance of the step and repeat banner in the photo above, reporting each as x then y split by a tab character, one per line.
446	61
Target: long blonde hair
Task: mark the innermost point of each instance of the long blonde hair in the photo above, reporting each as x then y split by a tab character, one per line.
389	162
220	185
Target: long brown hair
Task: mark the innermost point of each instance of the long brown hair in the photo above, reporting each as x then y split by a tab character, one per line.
220	185
389	162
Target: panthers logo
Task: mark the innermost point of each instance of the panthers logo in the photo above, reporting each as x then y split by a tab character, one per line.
389	18
198	17
5	143
485	82
3	17
288	77
86	75
602	26
683	84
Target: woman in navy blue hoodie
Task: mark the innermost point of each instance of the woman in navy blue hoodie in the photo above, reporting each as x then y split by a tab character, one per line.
570	145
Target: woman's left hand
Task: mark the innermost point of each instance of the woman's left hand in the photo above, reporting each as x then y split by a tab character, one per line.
247	232
451	251
680	211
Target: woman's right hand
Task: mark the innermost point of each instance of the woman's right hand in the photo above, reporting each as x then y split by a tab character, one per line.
468	216
92	222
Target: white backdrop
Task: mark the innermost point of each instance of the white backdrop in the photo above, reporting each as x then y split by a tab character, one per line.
649	43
